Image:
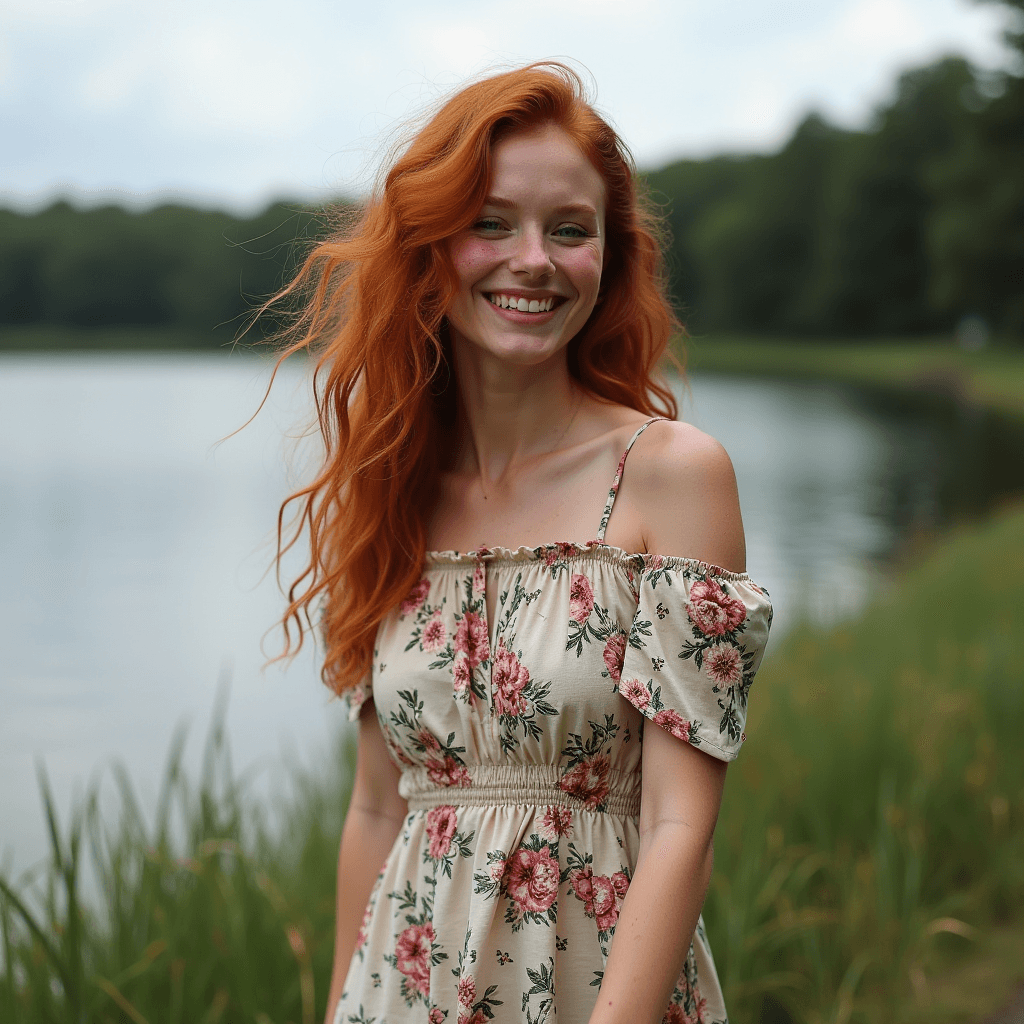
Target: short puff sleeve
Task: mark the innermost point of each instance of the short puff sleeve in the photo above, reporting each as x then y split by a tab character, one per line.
694	645
353	698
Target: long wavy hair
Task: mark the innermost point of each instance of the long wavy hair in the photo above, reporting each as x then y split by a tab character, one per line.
372	302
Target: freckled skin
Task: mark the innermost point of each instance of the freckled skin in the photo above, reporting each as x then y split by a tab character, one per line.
543	235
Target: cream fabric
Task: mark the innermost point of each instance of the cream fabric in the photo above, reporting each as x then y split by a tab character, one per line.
520	744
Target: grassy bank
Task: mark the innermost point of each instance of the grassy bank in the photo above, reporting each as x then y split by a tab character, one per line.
870	855
869	861
993	376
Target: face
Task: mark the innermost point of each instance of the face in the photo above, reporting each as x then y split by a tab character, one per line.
529	268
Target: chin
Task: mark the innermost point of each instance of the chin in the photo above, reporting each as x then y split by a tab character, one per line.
524	354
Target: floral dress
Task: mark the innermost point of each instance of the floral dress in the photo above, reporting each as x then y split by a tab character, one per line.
519	742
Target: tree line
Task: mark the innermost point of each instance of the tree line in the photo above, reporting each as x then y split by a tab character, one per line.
902	228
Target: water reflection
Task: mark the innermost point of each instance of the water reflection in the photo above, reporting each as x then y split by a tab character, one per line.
133	552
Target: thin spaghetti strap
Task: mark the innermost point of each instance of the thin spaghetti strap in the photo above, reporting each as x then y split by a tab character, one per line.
610	503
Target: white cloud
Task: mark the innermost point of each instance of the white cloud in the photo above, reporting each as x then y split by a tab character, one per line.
221	98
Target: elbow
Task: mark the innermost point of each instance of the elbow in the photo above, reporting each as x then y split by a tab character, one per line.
708	867
672	846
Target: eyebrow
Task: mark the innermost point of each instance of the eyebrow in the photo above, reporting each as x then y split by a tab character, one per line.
569	208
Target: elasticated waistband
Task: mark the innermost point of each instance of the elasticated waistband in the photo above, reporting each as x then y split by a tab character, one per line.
500	785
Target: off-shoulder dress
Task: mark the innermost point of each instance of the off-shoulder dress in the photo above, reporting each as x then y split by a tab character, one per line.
519	743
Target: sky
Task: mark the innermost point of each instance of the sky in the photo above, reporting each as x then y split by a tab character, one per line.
229	104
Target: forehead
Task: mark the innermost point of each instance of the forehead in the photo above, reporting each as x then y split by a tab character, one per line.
544	165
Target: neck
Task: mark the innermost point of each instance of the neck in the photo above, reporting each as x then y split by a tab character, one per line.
510	414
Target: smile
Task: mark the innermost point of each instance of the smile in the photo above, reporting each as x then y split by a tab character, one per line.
521	304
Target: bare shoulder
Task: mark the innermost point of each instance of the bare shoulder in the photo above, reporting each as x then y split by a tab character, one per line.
682	486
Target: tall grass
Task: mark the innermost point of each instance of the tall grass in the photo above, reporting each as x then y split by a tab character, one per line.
870	854
871	846
213	912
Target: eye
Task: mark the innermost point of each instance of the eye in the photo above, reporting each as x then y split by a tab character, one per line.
571	231
489	224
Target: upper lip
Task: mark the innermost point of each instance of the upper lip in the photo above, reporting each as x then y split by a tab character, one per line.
521	293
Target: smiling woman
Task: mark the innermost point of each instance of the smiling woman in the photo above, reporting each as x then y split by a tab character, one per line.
529	269
547	695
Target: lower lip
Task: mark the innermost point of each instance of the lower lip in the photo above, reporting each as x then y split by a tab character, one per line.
516	316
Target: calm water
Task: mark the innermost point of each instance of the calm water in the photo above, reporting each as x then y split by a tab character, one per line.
133	550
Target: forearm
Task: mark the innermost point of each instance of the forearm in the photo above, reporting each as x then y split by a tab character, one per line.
655	927
366	840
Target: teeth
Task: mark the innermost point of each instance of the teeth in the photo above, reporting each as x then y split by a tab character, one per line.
523	305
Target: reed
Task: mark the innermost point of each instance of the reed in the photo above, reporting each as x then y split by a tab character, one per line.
869	857
870	851
220	910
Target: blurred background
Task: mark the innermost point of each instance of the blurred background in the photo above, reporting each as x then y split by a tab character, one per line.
843	183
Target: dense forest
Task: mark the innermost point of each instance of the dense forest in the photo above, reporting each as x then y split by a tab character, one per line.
902	228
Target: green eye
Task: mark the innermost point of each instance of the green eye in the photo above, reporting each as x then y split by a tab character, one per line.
570	231
488	224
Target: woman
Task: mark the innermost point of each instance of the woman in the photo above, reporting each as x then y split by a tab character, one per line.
520	840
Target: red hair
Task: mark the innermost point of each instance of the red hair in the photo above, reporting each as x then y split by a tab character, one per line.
373	314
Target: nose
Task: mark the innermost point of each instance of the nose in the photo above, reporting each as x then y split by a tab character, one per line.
531	256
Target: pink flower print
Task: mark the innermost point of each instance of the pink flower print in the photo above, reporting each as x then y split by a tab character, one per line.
532	880
479	578
673	723
363	933
434	634
582	882
436	1015
620	883
600	895
396	750
447	772
467	990
614	654
581	598
471	639
712	610
653	562
461	675
700	1007
356	696
477	1018
412	953
558	552
724	665
588	781
441	824
508	680
675	1014
416	597
606	903
497	870
428	740
636	693
555	823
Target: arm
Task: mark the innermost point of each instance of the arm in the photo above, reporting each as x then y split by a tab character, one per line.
375	816
684	492
682	791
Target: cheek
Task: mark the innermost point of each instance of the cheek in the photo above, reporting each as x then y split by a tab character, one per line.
584	266
471	258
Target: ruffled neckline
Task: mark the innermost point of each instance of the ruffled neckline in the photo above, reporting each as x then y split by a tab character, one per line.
562	551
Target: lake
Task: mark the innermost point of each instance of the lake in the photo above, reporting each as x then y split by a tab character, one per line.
134	549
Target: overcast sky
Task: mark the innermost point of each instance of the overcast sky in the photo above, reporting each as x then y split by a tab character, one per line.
231	103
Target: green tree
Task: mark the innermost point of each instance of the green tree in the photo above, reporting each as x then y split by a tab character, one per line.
975	236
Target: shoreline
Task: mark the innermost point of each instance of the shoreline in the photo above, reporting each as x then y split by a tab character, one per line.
992	377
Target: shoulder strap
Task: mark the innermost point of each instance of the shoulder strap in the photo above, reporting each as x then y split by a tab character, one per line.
610	503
